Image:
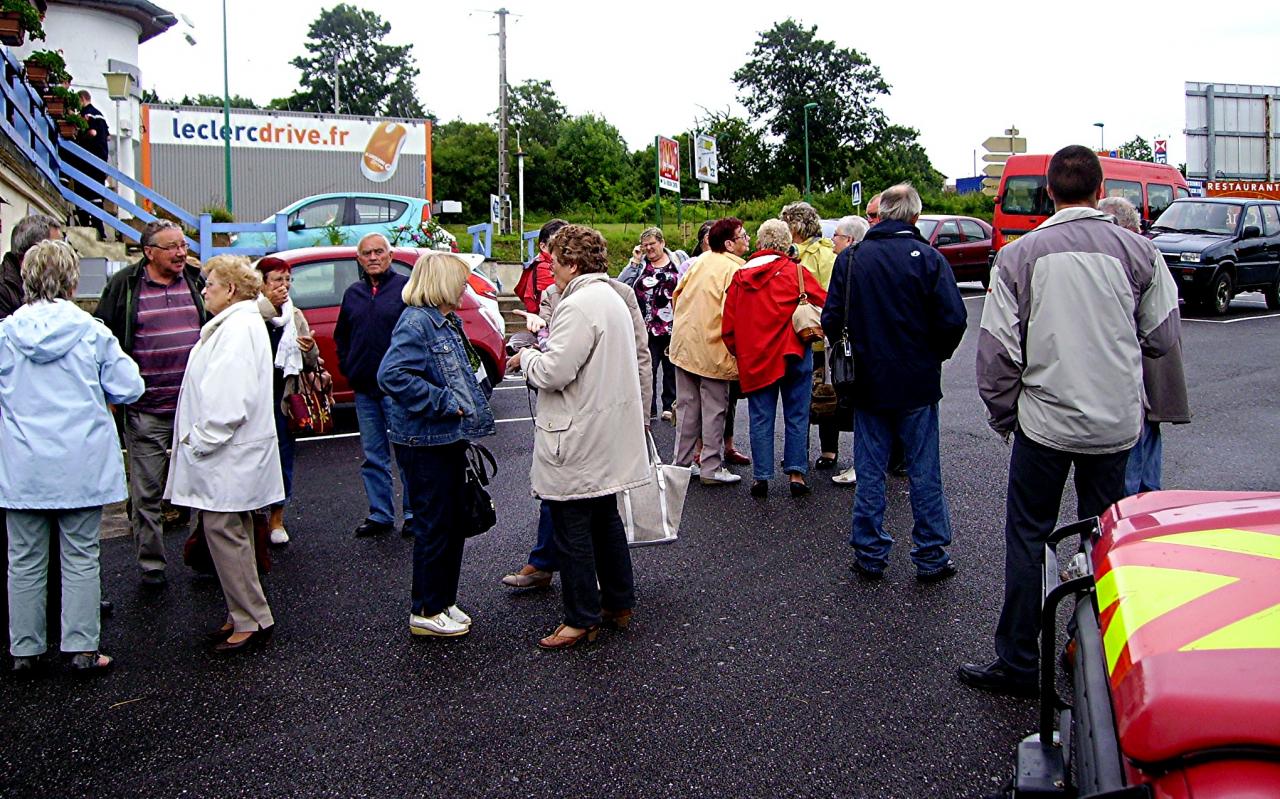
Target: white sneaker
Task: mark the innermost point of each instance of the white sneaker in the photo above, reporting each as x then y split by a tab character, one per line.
279	536
439	625
721	476
454	612
847	477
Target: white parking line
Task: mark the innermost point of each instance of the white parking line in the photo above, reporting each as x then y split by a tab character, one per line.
511	388
353	435
1233	321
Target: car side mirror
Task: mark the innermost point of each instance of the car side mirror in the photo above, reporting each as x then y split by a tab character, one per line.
1251	232
946	239
297	225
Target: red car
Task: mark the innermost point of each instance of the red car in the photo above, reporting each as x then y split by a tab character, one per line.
322	274
965	242
1174	688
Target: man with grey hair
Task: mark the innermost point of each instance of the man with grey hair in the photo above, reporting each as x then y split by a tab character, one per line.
156	310
905	317
371	306
1163	382
26	234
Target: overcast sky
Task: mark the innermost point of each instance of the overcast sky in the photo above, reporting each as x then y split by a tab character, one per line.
959	72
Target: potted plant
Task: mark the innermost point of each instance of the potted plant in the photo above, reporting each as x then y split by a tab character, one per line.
70	125
44	67
19	18
60	100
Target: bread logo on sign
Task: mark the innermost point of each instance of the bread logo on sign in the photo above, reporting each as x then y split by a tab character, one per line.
382	153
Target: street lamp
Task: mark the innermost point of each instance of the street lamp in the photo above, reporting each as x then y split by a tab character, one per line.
1102	140
808	195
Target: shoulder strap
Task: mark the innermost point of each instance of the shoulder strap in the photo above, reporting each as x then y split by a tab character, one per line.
800	279
848	281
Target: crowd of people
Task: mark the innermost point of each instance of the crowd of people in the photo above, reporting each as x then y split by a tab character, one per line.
198	362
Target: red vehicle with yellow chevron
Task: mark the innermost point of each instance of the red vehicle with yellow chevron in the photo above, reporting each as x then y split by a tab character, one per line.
1175	660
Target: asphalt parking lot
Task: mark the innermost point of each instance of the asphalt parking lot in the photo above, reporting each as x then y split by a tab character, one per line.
757	666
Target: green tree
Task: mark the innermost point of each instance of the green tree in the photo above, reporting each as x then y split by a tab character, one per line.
465	165
745	159
1138	149
534	109
375	79
895	156
592	164
237	101
789	67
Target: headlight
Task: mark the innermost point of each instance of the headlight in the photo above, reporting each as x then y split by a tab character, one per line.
1190	257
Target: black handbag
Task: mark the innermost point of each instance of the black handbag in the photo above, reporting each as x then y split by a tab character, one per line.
840	353
478	512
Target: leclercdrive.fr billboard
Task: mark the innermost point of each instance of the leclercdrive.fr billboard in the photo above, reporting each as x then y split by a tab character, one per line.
279	157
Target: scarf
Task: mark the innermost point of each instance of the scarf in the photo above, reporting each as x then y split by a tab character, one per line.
288	354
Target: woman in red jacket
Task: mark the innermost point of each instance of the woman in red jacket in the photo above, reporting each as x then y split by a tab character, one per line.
772	360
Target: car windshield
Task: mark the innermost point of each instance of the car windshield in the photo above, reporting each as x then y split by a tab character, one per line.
1190	216
926	227
1026	194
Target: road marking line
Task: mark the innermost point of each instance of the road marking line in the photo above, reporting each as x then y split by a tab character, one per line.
1233	321
511	388
521	419
353	435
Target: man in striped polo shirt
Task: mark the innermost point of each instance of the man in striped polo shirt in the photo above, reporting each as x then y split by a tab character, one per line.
156	310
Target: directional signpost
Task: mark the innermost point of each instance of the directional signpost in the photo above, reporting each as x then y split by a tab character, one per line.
999	148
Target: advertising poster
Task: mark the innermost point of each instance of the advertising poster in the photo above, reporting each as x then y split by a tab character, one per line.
706	159
668	164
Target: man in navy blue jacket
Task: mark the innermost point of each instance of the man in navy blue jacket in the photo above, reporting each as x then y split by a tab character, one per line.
905	317
370	309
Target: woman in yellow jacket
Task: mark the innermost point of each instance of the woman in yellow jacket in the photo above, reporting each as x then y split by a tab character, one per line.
813	252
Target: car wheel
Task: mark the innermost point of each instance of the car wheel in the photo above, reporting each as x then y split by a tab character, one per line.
1272	295
1220	293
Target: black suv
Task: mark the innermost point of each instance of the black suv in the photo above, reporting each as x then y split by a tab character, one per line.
1218	247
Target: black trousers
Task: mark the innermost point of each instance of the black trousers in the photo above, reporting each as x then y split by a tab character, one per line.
1037	476
592	543
658	350
434	476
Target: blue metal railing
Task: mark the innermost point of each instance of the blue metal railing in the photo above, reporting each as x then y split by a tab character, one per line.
482	238
530	238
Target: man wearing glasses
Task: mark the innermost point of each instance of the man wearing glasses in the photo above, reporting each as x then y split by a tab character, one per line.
156	310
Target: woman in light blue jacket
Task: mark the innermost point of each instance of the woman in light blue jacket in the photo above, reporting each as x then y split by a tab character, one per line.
59	454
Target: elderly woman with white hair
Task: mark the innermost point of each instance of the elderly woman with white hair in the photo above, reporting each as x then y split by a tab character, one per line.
773	361
226	461
59	454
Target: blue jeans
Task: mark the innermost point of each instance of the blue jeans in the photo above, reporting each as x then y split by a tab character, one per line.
1143	470
796	390
285	439
28	570
371	416
544	556
873	439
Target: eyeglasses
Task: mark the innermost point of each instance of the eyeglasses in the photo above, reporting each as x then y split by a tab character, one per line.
181	245
840	236
873	216
745	236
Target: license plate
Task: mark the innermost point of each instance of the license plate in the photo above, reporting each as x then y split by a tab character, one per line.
1012	238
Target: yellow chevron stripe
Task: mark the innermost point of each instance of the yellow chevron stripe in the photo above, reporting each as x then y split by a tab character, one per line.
1259	631
1146	593
1244	542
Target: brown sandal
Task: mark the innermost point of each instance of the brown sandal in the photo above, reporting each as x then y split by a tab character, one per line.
618	619
558	641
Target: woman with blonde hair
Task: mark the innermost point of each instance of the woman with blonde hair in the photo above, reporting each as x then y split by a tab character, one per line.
225	461
59	454
429	374
812	250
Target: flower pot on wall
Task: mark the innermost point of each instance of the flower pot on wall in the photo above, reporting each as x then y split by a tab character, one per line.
54	106
67	130
36	75
11	32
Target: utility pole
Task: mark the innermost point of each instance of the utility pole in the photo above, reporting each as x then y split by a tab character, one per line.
504	213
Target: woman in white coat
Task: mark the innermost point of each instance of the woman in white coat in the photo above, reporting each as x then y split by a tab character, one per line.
225	460
589	441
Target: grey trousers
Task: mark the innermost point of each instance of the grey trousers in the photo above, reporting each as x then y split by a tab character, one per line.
701	404
230	538
28	571
147	438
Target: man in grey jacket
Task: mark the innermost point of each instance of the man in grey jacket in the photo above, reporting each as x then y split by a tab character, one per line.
1073	306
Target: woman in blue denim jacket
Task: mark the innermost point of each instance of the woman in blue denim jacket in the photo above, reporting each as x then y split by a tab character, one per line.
430	374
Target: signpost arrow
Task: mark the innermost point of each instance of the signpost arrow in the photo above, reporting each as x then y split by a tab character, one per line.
996	158
1005	144
990	186
993	170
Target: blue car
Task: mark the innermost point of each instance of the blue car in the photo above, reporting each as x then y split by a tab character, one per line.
316	221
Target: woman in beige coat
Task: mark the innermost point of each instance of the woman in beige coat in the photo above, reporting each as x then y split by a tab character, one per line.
589	438
704	367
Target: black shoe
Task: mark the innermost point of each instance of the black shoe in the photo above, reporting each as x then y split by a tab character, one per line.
154	578
947	571
369	527
823	462
105	608
26	668
997	678
799	489
405	530
867	575
89	664
255	640
760	489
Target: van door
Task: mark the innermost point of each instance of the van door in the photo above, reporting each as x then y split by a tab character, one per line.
1253	268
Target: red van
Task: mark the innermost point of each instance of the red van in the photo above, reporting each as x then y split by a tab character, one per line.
1023	203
